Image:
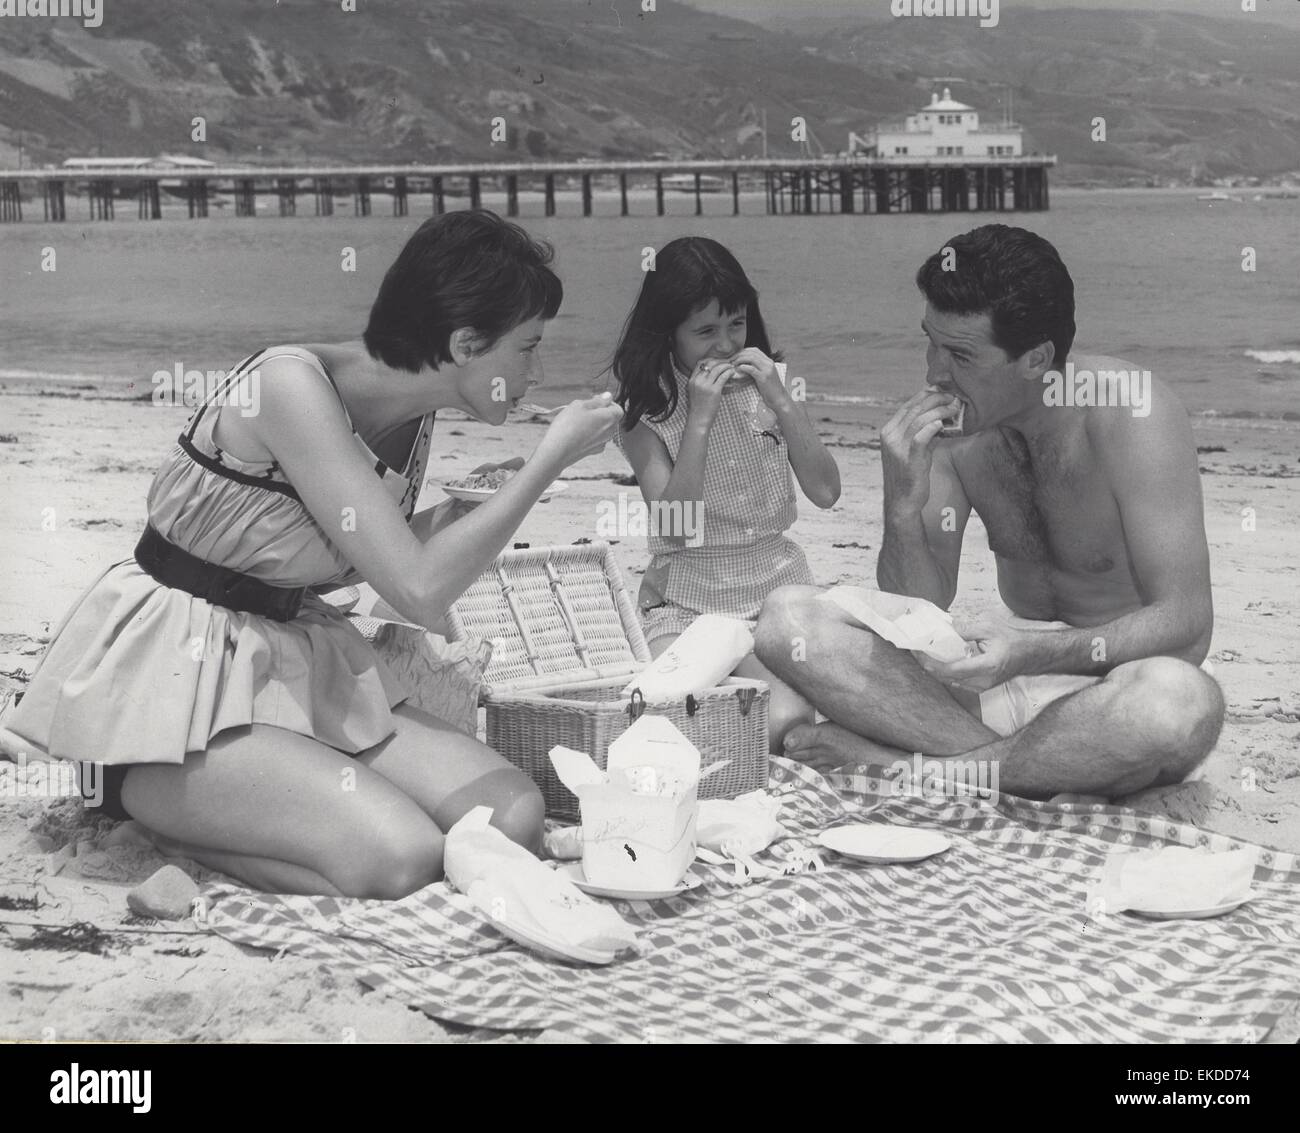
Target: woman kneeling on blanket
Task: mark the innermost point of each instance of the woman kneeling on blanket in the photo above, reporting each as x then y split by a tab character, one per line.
242	719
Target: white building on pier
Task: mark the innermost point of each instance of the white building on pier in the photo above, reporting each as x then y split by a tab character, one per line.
946	128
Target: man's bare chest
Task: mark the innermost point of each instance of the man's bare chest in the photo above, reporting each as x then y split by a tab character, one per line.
1052	509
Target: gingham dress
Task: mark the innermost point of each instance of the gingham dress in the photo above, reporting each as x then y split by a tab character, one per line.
748	505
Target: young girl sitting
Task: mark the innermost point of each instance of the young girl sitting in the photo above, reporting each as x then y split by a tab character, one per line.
712	435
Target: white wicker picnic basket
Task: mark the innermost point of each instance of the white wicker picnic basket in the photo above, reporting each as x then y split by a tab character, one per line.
565	642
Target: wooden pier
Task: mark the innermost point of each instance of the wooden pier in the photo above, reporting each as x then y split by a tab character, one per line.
867	186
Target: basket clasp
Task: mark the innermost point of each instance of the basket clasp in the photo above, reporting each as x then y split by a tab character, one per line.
635	705
746	698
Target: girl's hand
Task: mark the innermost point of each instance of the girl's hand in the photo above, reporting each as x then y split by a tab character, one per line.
753	363
704	394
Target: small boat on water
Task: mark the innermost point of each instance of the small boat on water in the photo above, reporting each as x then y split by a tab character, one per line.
685	183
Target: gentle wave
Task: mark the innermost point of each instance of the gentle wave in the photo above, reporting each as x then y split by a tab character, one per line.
1274	357
50	376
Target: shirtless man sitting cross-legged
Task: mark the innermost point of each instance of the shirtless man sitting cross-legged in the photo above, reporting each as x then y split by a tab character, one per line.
1093	513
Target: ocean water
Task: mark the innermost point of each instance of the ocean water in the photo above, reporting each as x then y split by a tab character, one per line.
1158	278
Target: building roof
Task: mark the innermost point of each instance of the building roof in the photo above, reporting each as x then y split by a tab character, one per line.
946	103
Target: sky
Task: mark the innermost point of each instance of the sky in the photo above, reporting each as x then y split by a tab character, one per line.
1282	11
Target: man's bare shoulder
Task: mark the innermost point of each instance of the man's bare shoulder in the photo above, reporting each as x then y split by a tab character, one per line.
1137	420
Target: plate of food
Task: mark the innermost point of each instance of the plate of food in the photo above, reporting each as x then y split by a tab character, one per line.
479	486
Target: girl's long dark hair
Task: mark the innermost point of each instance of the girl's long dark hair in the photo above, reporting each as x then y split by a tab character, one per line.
689	273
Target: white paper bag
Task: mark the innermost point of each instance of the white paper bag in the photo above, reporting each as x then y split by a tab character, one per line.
710	648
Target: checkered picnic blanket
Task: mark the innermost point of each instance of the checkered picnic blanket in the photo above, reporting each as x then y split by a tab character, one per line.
991	941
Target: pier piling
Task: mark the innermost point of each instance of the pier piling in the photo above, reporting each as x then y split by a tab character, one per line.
799	187
55	204
196	199
286	190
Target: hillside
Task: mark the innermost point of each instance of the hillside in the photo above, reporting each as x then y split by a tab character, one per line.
1184	97
421	80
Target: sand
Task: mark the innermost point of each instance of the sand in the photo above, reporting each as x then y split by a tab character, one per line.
78	464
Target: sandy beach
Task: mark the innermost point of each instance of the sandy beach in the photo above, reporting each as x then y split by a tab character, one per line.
79	460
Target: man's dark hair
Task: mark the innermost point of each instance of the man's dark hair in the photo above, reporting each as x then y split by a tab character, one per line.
1013	275
463	269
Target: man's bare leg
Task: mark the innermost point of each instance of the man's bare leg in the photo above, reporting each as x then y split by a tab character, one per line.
882	700
1148	723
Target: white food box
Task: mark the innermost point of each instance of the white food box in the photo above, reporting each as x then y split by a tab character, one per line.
632	840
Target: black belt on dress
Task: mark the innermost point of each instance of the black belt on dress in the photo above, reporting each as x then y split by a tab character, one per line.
171	566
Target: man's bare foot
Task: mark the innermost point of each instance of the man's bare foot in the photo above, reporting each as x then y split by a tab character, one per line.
828	747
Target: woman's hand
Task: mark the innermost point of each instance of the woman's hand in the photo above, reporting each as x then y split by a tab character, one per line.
704	393
753	363
580	429
514	464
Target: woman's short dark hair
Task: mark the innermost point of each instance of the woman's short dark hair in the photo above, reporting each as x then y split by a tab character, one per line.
463	269
1013	275
689	273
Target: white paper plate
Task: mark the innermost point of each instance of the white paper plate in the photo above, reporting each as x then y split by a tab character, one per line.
478	495
573	871
1192	914
546	945
878	842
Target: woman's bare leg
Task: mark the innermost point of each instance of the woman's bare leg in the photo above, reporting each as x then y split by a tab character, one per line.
285	813
449	773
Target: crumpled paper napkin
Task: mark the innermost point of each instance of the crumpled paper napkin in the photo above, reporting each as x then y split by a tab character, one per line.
509	885
909	623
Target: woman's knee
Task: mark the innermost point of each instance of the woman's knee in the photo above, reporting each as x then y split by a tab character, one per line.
518	809
394	861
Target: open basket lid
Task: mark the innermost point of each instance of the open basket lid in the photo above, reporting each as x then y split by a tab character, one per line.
555	615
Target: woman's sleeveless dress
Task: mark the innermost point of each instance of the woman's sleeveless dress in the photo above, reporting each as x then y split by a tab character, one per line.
139	672
743	553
